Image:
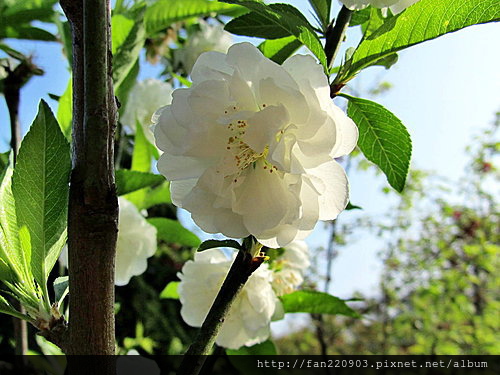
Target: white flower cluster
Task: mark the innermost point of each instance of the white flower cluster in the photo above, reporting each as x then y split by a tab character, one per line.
289	268
136	243
396	6
144	99
249	148
248	322
208	38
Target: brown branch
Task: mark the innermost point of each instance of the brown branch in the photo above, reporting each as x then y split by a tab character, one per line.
93	205
335	35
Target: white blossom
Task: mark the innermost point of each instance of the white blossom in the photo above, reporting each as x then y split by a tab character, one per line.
250	146
289	268
248	320
208	38
136	243
396	6
144	99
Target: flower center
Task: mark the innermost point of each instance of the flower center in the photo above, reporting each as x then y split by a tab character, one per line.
243	154
240	154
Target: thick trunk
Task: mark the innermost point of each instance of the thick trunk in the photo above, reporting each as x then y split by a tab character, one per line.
93	205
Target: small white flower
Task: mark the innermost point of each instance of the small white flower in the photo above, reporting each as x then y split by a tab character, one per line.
290	267
144	99
250	146
136	243
396	6
248	321
209	38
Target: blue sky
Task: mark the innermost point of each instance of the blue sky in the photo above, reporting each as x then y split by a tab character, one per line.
445	91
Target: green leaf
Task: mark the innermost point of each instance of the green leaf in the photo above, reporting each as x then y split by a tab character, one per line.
425	20
322	9
128	45
172	231
351	206
281	49
6	308
163	13
158	195
12	53
210	244
128	181
387	61
256	25
64	31
182	80
122	91
141	157
121	26
360	17
10	247
40	185
264	348
291	20
65	110
4	163
170	291
141	162
61	289
5	272
383	139
13	8
375	21
25	31
314	302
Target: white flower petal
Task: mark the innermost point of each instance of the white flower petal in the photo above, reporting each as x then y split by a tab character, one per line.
331	180
182	167
264	125
264	199
145	98
347	132
211	65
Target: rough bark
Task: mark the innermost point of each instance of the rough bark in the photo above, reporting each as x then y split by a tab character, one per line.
93	204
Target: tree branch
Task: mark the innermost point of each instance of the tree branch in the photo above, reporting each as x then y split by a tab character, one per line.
243	266
93	205
335	35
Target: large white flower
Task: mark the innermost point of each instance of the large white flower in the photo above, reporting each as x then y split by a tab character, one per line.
250	146
248	320
208	38
144	99
289	268
396	6
136	243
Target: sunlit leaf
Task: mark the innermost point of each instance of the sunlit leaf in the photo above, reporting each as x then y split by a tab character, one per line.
383	139
314	302
40	185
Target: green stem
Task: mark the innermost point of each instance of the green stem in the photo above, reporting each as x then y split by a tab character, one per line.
243	266
335	35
